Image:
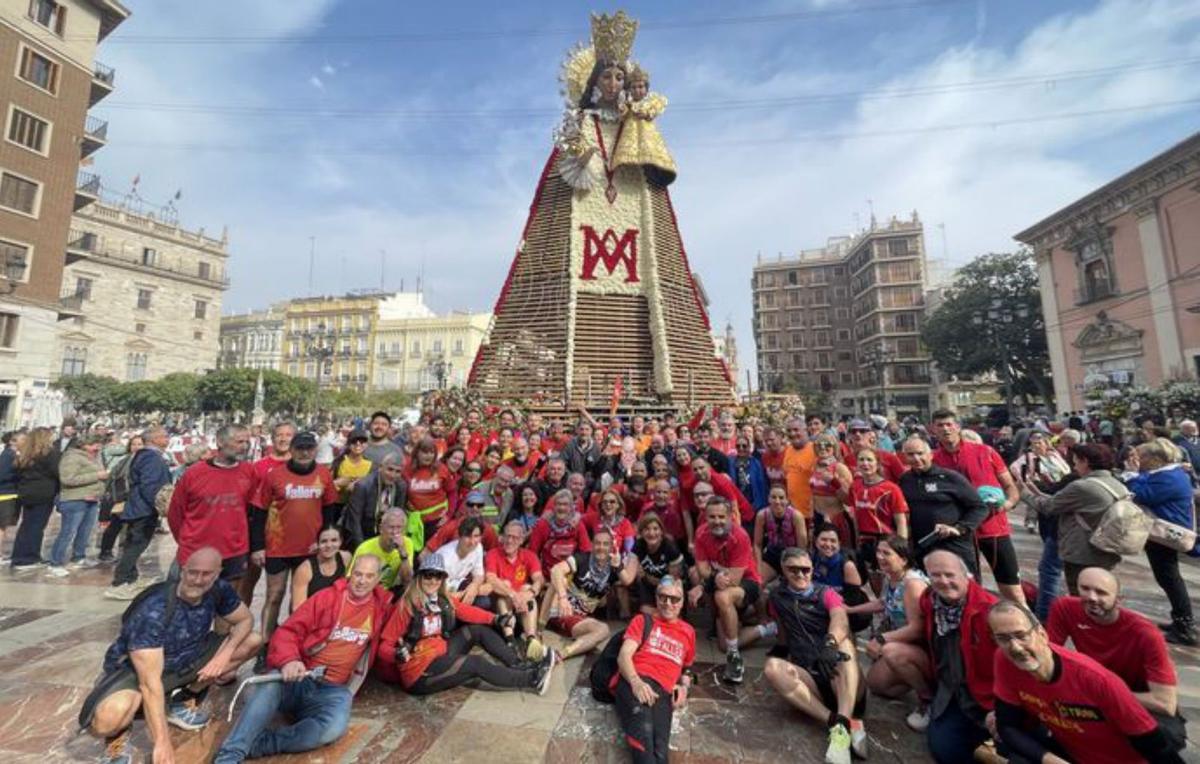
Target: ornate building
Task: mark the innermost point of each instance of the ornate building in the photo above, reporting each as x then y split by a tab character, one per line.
148	293
252	340
328	339
419	350
1120	276
50	79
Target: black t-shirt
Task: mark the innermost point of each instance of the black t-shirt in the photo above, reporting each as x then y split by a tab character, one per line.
657	563
588	587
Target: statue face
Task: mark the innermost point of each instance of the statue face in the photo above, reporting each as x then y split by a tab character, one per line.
637	90
611	83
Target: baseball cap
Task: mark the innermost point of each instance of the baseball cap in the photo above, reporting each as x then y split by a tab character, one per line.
304	440
476	497
433	563
858	424
356	434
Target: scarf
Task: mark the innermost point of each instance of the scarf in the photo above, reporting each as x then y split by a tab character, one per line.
946	616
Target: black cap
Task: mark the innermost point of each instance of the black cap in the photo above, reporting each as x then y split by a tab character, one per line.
357	435
304	440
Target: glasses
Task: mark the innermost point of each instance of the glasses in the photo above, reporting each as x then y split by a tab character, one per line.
799	570
475	504
1015	636
431	574
823	446
670	599
743	445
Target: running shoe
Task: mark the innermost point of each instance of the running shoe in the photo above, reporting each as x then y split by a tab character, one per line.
735	668
838	751
186	716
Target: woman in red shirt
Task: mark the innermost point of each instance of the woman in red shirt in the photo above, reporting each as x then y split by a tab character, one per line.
429	487
879	511
427	640
455	460
560	532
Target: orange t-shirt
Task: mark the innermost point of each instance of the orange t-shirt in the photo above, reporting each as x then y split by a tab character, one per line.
797	469
350	636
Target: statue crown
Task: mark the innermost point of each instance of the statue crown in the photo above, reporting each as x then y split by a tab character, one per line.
612	36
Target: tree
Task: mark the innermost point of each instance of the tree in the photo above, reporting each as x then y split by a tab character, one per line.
227	390
176	392
968	334
89	393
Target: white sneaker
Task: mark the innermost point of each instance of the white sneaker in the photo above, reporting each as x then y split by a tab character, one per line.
123	592
86	562
838	751
57	571
858	738
918	720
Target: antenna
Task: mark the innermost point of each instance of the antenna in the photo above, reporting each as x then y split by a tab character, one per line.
312	255
945	242
382	261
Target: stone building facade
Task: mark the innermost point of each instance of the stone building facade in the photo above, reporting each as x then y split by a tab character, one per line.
415	353
49	78
1120	278
253	340
148	294
845	320
328	339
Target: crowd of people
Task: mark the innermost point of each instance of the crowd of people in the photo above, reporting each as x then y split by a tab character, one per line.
853	550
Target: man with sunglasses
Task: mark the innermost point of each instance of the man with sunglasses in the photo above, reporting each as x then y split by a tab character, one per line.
748	473
652	680
813	667
860	435
1056	705
372	497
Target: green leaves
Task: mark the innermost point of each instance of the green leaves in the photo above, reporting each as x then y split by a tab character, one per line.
225	390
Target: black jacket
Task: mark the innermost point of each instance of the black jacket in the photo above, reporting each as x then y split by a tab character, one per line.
359	519
37	484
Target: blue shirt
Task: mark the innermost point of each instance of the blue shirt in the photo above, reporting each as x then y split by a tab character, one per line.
183	639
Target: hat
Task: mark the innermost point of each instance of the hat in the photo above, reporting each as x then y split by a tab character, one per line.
991	496
357	434
304	440
859	424
433	563
476	497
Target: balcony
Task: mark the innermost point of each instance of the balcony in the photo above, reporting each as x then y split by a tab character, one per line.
1095	293
103	78
95	135
85	245
87	189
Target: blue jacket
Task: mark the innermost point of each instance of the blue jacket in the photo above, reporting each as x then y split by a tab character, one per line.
1192	450
1167	492
755	486
147	474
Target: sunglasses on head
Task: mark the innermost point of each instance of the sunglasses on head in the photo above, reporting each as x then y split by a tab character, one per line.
799	570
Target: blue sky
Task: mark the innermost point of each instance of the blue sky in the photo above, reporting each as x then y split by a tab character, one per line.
419	129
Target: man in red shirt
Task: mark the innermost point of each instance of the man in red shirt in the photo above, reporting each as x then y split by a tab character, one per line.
337	630
725	570
1124	642
515	576
723	486
293	503
651	679
210	503
772	457
981	465
1053	704
281	450
860	435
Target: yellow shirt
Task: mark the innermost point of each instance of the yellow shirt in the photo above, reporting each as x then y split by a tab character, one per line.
392	561
357	470
797	469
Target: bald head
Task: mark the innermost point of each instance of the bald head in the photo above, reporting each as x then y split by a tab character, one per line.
204	557
1100	578
199	574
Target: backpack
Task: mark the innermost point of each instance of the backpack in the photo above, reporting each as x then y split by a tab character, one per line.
171	585
116	488
1122	529
605	667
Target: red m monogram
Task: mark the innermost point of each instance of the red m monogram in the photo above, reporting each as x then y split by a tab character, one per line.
611	250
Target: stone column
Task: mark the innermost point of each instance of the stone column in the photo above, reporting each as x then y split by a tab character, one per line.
1158	286
1063	392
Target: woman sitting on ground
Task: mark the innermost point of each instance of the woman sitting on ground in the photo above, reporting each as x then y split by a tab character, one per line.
427	641
321	569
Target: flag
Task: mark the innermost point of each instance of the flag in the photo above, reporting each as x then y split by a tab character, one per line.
618	388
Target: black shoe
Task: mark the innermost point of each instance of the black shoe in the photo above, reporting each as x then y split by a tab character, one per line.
260	663
735	668
1183	632
541	676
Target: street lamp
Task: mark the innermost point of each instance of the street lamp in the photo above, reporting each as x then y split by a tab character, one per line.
439	368
318	345
14	269
989	321
878	357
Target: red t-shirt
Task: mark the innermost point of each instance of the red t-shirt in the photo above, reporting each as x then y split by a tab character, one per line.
772	462
293	503
553	545
875	506
1131	647
518	572
526	471
733	551
670	648
981	466
1088	709
266	464
350	636
890	465
724	487
624	533
208	508
671	517
429	491
449	532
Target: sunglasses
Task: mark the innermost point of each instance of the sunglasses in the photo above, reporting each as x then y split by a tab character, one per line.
474	504
431	574
799	570
670	599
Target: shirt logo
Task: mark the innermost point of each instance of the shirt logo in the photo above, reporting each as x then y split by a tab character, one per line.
292	491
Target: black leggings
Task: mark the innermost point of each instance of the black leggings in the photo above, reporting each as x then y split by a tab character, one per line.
647	728
457	667
1164	563
1001	556
108	539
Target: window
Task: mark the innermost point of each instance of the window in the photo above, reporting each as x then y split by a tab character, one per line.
10	251
204	269
49	14
846	377
396	349
20	194
293	369
139	328
310	369
792	278
197	335
843	335
149	256
143	299
83	288
201	309
8	330
74	361
898	247
845	356
437	347
135	367
362	345
841	314
415	352
38	70
458	347
29	131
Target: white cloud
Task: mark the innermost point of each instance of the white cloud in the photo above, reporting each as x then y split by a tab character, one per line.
315	81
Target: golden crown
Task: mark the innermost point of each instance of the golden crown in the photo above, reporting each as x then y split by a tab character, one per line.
612	36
